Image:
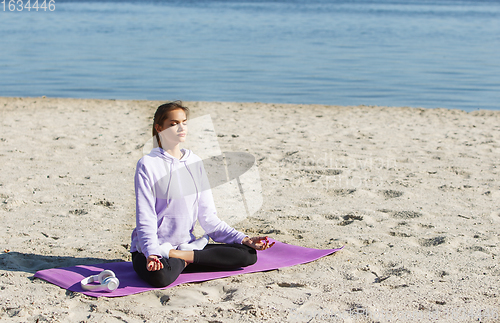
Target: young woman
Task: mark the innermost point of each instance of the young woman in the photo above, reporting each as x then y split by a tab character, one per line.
172	193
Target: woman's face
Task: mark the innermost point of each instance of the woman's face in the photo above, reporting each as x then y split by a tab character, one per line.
174	129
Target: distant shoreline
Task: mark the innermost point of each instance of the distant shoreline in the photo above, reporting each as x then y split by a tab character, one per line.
157	102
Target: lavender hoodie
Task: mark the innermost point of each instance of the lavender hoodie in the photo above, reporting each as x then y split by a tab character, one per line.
171	194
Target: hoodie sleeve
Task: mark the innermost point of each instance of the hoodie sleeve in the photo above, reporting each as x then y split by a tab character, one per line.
217	229
146	217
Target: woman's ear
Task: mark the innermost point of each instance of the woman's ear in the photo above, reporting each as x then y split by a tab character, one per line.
158	128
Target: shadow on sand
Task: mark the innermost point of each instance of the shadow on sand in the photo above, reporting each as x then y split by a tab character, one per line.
31	263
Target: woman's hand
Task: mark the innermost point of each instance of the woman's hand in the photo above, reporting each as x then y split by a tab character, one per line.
258	243
154	263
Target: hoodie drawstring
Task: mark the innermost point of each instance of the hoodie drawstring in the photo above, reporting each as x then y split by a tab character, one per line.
169	179
194	182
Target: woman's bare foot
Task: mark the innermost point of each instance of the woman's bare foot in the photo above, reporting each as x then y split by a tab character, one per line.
187	256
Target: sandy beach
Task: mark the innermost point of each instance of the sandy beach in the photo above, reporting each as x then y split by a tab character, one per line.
412	193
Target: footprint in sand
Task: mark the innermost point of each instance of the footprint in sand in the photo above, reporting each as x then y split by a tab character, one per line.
432	242
406	214
350	218
390	194
342	191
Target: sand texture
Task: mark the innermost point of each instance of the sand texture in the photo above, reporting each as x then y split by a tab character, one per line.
413	194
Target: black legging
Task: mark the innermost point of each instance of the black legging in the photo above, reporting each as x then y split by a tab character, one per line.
213	256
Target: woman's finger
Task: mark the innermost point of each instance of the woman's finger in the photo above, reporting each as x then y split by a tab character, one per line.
159	264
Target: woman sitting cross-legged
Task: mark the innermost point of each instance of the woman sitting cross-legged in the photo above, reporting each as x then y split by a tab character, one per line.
172	193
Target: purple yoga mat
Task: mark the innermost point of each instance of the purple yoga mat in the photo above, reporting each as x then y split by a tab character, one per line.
279	256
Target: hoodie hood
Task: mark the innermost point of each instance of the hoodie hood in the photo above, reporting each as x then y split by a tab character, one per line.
159	152
180	178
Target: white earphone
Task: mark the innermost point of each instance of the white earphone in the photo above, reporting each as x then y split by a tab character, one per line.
106	279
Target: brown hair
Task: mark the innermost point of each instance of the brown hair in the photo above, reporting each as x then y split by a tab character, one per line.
161	115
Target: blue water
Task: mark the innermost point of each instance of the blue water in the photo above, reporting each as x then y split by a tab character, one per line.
443	53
